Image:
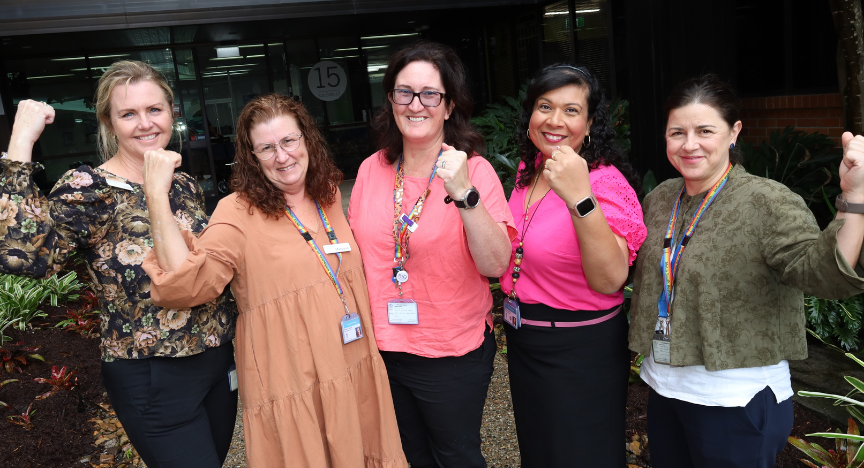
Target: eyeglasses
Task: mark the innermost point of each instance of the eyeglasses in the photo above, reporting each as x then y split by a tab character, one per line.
404	97
268	150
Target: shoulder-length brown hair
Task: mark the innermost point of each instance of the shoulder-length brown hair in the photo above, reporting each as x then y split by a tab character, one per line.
247	177
458	130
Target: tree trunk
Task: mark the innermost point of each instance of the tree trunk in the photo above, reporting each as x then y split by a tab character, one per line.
850	39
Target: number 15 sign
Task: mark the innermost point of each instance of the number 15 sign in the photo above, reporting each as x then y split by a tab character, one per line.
327	80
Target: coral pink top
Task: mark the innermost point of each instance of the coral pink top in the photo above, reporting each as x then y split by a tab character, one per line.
453	298
552	266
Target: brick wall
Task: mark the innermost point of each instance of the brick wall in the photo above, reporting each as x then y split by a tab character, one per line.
821	113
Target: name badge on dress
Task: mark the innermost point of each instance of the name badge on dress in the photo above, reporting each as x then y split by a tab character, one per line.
661	344
402	312
351	328
337	248
411	225
118	184
511	313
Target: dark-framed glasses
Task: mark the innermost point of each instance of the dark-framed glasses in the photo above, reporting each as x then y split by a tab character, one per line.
268	150
404	97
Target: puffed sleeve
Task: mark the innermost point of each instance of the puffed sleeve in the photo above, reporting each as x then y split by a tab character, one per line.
803	256
38	233
621	207
215	256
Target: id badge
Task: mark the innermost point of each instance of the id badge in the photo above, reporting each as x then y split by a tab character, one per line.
411	225
661	344
511	313
351	328
232	378
337	248
402	312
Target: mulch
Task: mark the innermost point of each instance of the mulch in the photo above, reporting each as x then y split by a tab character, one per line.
61	434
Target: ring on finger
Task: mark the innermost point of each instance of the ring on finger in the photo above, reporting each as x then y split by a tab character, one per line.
443	163
553	154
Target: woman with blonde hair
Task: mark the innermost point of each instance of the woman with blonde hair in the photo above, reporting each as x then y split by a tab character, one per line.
166	370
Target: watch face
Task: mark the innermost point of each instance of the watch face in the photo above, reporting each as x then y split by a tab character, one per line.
585	206
473	198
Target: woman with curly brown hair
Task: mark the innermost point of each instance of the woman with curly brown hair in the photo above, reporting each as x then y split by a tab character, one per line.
313	395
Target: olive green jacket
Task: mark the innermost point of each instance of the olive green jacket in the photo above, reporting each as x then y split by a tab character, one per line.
738	293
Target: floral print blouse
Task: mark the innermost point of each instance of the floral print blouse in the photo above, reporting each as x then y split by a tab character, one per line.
105	218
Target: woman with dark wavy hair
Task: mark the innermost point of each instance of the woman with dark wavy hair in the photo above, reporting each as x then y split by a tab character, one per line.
313	396
430	299
580	225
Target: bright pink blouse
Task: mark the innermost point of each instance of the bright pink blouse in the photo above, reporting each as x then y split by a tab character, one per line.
552	265
453	298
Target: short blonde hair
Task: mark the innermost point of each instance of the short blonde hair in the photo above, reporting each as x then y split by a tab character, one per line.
127	72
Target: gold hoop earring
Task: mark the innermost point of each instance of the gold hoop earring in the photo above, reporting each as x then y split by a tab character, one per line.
528	134
585	145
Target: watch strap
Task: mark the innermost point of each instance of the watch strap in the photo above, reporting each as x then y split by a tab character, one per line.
462	203
845	207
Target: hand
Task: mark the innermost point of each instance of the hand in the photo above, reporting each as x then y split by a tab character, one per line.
30	121
159	168
453	170
567	175
852	168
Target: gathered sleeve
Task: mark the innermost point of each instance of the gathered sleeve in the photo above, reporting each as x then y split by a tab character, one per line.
621	208
39	233
215	257
803	256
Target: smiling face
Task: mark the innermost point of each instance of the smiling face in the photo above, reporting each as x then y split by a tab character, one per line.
697	144
287	169
560	118
420	125
140	117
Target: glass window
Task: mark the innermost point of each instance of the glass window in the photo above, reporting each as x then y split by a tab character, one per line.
64	83
378	50
556	33
279	68
301	56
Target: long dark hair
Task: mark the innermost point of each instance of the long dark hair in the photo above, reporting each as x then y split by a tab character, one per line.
247	177
601	151
712	91
458	130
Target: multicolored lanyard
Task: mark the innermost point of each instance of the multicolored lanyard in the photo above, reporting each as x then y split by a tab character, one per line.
331	235
404	225
671	258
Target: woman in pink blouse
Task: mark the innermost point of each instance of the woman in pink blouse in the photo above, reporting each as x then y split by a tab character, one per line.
579	226
431	221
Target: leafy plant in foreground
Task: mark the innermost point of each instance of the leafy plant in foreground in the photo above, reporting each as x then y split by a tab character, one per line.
498	126
20	298
61	289
13	360
24	419
846	454
84	322
59	380
6	321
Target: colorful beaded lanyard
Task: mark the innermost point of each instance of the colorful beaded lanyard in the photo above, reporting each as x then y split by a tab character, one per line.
671	258
331	235
404	226
520	252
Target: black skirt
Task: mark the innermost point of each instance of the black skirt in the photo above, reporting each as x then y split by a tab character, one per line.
569	388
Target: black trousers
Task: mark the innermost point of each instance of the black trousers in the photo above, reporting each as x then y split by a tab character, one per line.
684	435
178	412
569	388
439	405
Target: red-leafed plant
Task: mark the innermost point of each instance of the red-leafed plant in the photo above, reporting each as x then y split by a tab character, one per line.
6	382
14	359
85	320
24	419
59	380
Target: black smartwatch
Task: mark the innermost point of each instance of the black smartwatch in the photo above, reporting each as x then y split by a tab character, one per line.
469	201
584	207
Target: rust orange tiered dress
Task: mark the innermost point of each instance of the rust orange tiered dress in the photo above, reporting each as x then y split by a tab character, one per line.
308	400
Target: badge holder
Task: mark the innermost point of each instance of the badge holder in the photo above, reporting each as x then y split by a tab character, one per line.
352	330
661	344
402	312
511	313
